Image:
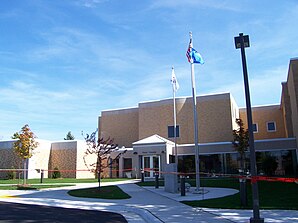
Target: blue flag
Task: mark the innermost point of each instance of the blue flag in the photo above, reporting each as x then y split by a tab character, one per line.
196	57
193	56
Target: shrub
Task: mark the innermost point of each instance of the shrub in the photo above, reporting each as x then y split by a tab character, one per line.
11	175
56	174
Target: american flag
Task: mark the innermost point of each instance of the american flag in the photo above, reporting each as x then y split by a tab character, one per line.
188	53
193	56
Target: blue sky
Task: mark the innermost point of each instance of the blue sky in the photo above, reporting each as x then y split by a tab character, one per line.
63	62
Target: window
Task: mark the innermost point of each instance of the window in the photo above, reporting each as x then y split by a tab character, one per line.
171	131
255	127
271	127
127	164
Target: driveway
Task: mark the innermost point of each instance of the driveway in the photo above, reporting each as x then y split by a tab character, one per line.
25	213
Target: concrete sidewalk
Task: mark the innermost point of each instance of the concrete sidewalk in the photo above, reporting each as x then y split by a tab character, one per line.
243	216
146	204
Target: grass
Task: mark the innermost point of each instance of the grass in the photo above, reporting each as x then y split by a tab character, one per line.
105	192
32	187
34	184
272	195
59	180
150	183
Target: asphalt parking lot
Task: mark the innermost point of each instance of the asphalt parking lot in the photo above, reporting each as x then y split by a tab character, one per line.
25	213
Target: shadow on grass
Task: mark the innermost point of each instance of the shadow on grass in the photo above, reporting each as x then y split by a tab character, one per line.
105	192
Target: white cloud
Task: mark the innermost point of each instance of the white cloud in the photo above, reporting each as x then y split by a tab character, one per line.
87	49
25	101
74	68
221	5
265	87
90	3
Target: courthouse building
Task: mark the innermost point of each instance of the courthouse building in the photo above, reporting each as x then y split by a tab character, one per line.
146	133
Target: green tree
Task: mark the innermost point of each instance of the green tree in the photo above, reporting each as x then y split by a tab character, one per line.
24	146
241	143
102	149
69	136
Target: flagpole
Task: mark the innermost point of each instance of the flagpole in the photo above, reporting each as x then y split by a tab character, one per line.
194	97
175	125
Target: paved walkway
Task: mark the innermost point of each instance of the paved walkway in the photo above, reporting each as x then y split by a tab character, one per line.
147	204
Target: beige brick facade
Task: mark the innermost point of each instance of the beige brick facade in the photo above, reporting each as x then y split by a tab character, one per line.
261	116
286	110
122	125
216	117
64	157
67	156
292	84
8	160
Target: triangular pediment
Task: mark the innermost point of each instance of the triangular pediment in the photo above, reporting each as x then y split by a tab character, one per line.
154	139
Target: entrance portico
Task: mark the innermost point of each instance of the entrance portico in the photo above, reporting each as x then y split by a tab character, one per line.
153	153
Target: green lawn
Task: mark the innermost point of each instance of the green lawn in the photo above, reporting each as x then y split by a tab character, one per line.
59	180
32	187
105	192
272	195
34	184
150	183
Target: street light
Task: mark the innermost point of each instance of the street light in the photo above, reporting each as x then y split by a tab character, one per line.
242	42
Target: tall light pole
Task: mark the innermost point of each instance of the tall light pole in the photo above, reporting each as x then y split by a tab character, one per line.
242	42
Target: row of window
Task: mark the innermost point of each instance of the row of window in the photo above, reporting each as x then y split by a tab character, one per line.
271	127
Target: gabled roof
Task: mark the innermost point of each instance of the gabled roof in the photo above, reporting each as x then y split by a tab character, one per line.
154	139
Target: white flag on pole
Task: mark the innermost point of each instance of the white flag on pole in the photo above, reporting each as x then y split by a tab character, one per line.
174	81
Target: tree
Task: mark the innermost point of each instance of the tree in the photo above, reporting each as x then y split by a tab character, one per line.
69	136
24	146
241	141
241	144
102	149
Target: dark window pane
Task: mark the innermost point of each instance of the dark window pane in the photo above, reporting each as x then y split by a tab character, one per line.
127	163
271	126
171	131
255	127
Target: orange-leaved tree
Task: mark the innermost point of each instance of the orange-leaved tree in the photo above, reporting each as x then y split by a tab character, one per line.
24	146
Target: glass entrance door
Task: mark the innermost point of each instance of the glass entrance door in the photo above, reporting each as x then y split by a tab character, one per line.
146	166
150	165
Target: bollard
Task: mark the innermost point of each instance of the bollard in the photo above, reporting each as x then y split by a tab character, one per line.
182	185
142	175
243	189
243	192
41	176
156	180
